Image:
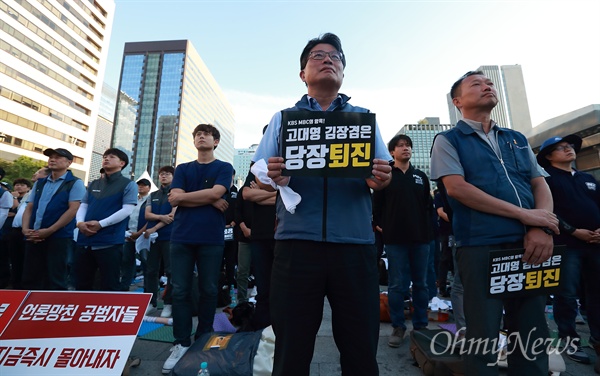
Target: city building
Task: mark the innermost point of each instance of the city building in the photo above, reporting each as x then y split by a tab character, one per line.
422	136
241	163
165	90
585	123
52	62
104	129
512	110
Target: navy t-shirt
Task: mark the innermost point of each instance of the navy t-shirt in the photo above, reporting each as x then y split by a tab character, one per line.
201	224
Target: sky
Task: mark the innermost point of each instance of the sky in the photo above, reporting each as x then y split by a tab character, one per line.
402	56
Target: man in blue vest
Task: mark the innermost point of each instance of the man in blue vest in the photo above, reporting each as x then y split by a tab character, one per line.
326	248
160	214
48	224
102	222
499	200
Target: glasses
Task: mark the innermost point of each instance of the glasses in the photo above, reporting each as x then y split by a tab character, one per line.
320	55
165	174
565	147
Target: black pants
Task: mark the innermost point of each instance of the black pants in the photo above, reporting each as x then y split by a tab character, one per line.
306	272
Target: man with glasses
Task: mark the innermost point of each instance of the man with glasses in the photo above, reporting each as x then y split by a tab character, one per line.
499	200
576	197
326	248
160	214
402	212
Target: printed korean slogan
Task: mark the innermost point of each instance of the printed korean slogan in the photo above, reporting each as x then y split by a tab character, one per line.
510	276
68	332
328	144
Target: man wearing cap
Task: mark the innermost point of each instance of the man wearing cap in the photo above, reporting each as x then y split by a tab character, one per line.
102	222
136	227
576	197
499	200
49	222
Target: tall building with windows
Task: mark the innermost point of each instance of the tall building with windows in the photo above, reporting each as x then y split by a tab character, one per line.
241	163
512	110
104	129
165	90
422	135
52	63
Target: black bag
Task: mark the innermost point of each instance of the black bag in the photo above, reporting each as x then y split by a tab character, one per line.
227	354
436	358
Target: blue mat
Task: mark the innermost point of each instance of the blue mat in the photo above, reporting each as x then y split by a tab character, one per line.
147	327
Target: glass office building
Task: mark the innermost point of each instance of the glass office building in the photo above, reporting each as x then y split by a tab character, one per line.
166	90
52	60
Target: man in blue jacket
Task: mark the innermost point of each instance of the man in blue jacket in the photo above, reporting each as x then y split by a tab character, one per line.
326	248
102	221
48	224
576	197
499	200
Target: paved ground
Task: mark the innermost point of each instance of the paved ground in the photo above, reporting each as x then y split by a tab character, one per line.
392	361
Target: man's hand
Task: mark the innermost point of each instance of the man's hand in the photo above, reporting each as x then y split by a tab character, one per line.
540	218
175	197
86	229
587	236
275	166
167	218
149	232
221	204
538	246
382	174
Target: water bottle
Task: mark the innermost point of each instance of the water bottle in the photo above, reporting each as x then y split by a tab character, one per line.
203	369
233	296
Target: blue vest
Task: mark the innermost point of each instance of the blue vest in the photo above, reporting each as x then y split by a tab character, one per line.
508	179
159	203
104	198
58	205
341	210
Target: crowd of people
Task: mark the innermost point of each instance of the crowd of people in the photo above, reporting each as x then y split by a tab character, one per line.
493	193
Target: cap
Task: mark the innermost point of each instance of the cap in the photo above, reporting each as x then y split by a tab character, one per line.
144	182
547	147
7	185
62	152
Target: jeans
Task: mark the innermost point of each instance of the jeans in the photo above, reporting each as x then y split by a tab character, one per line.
159	250
431	267
304	273
457	295
408	262
262	259
578	263
127	265
524	315
107	260
45	264
243	270
207	259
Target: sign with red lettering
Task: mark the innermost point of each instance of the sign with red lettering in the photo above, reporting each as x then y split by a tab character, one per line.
68	332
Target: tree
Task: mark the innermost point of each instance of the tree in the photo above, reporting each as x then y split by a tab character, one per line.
22	167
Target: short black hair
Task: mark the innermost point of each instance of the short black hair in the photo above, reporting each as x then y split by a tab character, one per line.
117	153
394	141
27	182
2	173
168	169
207	128
456	86
327	38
